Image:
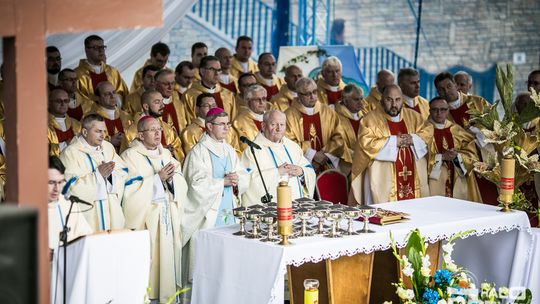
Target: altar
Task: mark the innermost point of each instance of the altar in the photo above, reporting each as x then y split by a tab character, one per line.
234	269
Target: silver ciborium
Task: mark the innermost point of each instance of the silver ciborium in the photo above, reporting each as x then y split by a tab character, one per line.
240	213
367	212
351	213
335	216
254	216
305	214
269	219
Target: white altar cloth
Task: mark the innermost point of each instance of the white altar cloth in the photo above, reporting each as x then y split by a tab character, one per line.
233	269
104	268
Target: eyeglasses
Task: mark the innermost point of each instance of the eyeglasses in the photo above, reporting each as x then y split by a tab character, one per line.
438	110
97	47
311	93
153	130
222	124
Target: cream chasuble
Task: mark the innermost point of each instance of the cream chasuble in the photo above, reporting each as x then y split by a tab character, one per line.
156	206
169	139
375	178
224	99
453	178
85	181
58	212
319	130
206	191
270	157
89	79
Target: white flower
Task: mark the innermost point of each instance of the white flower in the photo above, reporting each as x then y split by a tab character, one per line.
448	248
485	287
426	272
504	292
425	261
387	302
451	267
409	294
407	267
441	302
459	300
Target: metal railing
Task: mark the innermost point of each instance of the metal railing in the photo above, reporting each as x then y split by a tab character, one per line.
235	18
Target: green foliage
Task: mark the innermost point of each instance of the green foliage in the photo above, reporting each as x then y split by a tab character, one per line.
304	58
527	300
505	86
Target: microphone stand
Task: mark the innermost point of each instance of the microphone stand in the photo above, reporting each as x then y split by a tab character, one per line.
63	238
267	198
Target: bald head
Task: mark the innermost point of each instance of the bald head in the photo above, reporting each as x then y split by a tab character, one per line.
152	103
384	79
274	125
391	100
292	74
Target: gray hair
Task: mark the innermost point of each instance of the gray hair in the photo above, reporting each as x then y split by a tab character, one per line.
352	88
89	119
331	61
463	73
268	114
250	91
304	82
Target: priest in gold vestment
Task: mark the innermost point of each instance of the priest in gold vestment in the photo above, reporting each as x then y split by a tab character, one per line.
384	79
315	127
409	82
266	76
241	61
152	105
283	100
249	122
133	101
330	84
62	128
153	197
174	112
452	157
94	69
391	155
78	106
209	83
159	54
226	79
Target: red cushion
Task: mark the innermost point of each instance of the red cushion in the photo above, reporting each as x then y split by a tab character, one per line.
332	186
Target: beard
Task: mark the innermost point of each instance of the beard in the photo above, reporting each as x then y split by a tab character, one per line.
393	111
154	114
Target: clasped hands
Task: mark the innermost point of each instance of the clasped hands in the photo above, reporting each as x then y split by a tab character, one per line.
230	179
449	155
166	173
404	140
289	169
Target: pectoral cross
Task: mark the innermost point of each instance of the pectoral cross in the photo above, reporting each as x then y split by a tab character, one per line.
405	173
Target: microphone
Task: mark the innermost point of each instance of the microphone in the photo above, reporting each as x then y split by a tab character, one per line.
75	199
249	142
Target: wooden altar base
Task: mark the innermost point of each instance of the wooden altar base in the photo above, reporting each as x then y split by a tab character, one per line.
359	279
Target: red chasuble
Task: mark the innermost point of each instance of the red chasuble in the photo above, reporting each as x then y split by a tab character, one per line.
258	124
114	126
333	97
355	125
416	108
219	101
404	164
64	136
230	86
312	130
76	112
97	78
444	141
460	115
169	111
270	91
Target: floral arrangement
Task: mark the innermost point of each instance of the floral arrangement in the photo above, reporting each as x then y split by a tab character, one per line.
171	300
304	58
508	137
449	284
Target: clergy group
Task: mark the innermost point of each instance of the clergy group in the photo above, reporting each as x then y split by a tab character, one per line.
172	153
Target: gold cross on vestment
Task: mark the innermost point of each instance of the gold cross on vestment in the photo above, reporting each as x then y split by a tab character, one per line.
405	174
